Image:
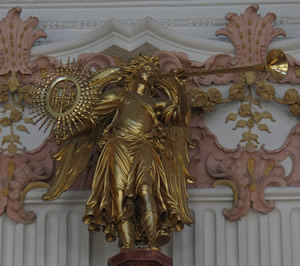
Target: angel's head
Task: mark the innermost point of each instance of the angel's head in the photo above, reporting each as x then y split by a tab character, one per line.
138	73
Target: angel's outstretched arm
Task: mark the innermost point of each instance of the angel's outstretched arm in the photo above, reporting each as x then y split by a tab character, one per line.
175	109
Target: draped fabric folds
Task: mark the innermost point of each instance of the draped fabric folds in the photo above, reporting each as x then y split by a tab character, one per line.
139	189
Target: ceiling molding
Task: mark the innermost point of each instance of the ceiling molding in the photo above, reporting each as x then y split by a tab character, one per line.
130	37
136	3
146	31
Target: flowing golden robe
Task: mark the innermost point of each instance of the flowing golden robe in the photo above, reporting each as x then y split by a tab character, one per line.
130	158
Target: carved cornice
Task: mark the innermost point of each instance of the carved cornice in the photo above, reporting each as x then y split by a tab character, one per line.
130	37
170	23
147	3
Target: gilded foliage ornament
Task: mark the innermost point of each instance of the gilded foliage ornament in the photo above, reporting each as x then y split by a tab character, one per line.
250	107
14	96
237	90
264	90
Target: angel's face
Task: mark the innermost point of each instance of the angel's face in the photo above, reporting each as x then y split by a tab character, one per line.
142	86
146	72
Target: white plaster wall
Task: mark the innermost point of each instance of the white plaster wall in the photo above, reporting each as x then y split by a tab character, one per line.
58	237
271	239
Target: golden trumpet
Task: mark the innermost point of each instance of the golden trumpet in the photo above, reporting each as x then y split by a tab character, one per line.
276	65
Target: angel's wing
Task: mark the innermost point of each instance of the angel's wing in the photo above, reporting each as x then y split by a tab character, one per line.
175	156
175	162
78	146
73	158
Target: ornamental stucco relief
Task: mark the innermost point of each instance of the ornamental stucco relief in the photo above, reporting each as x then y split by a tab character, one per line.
247	169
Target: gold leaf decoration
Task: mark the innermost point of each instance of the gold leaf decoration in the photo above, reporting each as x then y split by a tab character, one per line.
214	95
291	96
254	137
5	139
248	109
14	95
263	127
295	109
250	145
22	128
268	169
3	93
209	106
267	115
257	116
236	91
12	148
232	185
250	77
6	106
251	166
246	137
13	82
198	97
15	115
28	120
231	117
265	91
16	138
245	110
240	124
256	102
5	121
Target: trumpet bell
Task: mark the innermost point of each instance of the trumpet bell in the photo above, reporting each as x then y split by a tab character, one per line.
276	64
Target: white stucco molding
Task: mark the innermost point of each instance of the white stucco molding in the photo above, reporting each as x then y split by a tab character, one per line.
221	194
136	3
224	194
130	37
147	30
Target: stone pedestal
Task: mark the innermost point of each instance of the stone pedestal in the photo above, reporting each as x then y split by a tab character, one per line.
136	257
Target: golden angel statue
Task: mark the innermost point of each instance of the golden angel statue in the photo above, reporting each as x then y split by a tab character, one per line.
139	124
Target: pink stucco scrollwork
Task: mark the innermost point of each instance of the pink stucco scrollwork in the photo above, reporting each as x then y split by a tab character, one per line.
18	171
16	40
